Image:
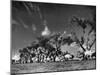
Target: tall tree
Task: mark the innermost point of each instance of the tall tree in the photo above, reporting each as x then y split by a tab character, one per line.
83	24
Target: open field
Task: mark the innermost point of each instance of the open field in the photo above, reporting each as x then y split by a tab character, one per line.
53	66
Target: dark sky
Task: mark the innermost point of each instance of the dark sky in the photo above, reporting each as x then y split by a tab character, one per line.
29	20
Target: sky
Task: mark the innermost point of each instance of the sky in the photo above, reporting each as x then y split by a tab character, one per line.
30	19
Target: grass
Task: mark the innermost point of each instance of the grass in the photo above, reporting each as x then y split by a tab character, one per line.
53	66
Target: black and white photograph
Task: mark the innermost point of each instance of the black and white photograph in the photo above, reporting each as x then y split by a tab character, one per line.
52	37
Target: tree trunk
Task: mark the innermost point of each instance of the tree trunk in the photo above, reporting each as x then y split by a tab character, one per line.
82	47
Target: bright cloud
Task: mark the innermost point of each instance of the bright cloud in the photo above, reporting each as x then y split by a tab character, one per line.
46	31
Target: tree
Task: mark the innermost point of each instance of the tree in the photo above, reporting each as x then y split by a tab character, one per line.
83	24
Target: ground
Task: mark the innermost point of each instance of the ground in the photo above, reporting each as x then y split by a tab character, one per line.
53	66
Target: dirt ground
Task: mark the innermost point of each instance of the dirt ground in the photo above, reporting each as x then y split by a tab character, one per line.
53	66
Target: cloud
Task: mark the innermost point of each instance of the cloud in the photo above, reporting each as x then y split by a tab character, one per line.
14	22
25	26
40	14
34	27
23	23
46	31
44	22
27	8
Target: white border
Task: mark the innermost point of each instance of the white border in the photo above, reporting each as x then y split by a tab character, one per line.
85	2
5	36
